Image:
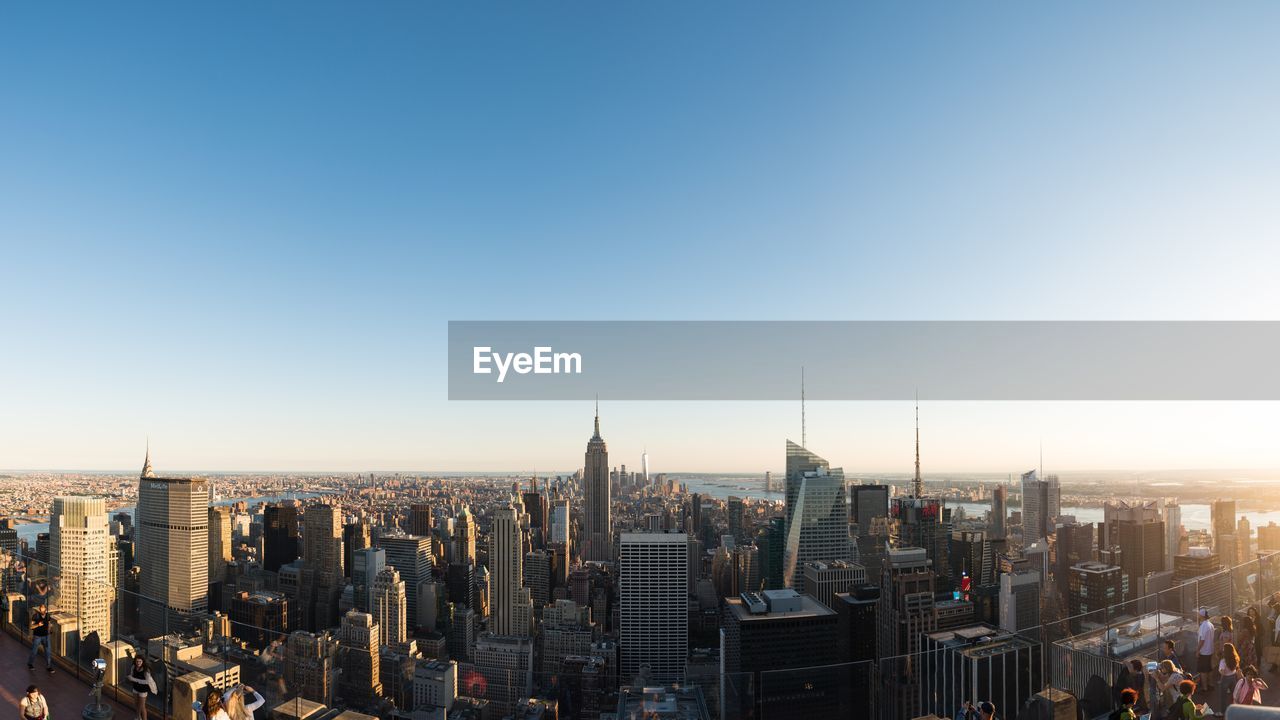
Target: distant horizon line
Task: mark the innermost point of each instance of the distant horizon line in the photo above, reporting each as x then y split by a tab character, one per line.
907	475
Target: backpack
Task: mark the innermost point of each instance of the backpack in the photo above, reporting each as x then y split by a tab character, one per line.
1176	709
1246	693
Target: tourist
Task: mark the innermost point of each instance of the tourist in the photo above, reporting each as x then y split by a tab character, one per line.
1248	690
40	638
1228	673
237	708
1128	699
142	685
213	708
1205	647
1184	708
33	705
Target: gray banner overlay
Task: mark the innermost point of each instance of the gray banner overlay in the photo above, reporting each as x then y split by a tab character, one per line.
864	360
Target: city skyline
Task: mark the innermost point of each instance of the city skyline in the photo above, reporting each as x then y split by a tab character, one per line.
1242	430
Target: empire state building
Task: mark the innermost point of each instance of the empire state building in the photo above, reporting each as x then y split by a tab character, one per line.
595	478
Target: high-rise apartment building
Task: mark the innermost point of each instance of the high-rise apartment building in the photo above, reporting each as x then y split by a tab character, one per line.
389	606
598	543
173	544
816	518
80	550
653	590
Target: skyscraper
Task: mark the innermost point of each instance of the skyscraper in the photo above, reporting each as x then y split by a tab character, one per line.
1020	602
1074	546
359	682
389	606
1172	530
905	614
279	536
736	513
512	605
773	631
366	563
411	555
322	564
653	589
420	519
506	664
535	506
1041	506
868	502
1225	543
173	541
817	521
219	542
595	480
999	512
465	530
355	536
771	541
80	548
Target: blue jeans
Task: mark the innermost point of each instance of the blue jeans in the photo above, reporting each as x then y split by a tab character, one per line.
36	642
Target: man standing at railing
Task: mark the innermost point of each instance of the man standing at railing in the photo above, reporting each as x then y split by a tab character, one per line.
40	637
1205	646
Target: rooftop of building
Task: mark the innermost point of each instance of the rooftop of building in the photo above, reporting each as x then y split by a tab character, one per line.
1094	566
775	604
662	703
834	565
1128	636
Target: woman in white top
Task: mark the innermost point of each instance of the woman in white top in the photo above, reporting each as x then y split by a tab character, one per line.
33	706
237	708
1229	671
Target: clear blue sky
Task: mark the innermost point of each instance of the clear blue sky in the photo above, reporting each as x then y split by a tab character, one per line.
241	227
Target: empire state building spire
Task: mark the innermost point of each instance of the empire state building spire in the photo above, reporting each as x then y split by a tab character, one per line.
597	435
917	486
